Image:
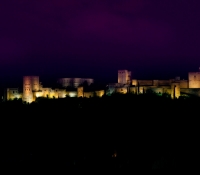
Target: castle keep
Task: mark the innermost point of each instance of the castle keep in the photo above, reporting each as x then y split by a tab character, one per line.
33	89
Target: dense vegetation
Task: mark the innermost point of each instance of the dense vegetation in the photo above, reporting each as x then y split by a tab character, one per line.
120	132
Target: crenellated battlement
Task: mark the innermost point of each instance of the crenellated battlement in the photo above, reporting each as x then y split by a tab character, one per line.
33	89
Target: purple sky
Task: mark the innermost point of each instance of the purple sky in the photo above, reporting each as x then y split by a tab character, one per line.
94	38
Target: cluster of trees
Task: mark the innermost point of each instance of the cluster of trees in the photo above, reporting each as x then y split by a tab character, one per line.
119	132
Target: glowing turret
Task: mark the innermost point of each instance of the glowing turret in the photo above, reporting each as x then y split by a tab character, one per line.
30	84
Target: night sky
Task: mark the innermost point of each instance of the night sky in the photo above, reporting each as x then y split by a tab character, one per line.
155	39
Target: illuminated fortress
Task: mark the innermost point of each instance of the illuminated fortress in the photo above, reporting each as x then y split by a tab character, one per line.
33	89
173	87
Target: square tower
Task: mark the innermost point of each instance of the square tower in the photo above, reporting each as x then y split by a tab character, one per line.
30	84
194	79
124	77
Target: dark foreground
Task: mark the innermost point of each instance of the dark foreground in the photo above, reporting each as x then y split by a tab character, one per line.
123	133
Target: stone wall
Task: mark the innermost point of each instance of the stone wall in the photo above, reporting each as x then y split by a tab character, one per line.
194	79
184	84
75	82
145	82
88	94
100	93
122	90
175	90
13	93
191	91
80	92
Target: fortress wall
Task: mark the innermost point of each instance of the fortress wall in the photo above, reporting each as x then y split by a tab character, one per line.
118	85
77	82
194	79
145	82
175	90
88	94
155	82
65	82
62	93
13	93
184	84
112	85
191	91
71	93
141	90
167	90
80	92
38	94
164	83
133	90
100	93
46	92
151	82
122	90
34	96
56	93
20	95
89	80
134	82
165	87
158	90
53	94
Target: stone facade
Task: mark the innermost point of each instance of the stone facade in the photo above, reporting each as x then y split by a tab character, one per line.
194	79
33	89
74	82
124	77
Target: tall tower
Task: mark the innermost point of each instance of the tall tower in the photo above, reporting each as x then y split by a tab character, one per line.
175	90
194	79
80	92
30	84
124	77
35	83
